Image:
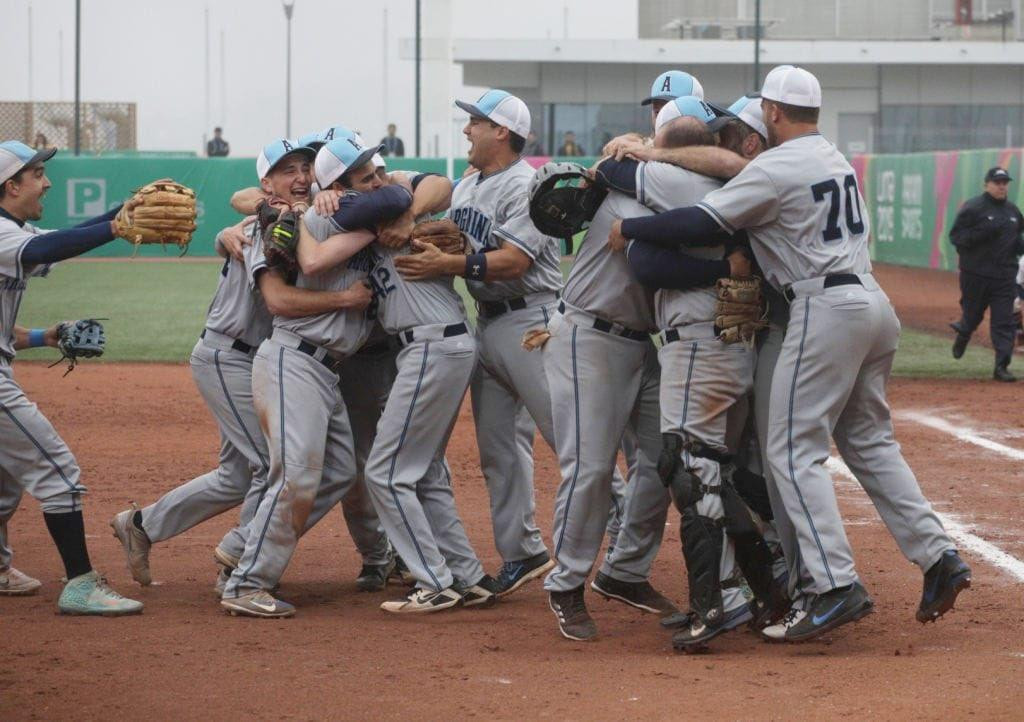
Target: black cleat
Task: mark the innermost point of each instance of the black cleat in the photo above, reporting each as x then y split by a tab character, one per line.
942	583
1003	374
574	621
640	595
831	610
513	575
374	577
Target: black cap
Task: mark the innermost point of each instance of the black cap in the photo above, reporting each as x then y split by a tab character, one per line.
997	174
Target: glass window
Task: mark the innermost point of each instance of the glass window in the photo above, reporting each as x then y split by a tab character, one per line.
914	128
593	124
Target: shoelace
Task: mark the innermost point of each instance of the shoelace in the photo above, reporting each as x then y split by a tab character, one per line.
790	617
104	587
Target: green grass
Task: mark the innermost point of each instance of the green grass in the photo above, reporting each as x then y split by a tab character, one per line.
156	311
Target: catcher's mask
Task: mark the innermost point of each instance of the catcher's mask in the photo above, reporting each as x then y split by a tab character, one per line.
563	200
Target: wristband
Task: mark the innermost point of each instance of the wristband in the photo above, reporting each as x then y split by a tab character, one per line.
36	337
476	267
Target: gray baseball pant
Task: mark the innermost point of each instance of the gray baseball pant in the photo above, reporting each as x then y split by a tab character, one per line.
830	383
417	508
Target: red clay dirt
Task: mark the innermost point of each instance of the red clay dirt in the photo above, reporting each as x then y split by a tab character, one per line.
140	429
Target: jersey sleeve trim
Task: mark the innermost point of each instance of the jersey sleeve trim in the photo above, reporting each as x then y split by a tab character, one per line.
501	232
716	216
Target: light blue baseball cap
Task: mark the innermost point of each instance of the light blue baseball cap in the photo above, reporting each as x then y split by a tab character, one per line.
310	140
502	108
275	151
692	107
674	84
340	155
15	155
748	109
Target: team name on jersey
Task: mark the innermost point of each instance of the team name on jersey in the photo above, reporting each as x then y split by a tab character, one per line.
473	223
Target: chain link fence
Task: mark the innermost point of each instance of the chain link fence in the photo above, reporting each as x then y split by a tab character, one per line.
106	127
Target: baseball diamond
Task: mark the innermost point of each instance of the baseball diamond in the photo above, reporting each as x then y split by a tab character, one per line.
717	344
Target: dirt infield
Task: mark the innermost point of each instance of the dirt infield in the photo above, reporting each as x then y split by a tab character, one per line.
139	429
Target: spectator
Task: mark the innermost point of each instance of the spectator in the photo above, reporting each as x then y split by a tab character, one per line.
533	146
218	147
987	237
393	145
569	145
41	143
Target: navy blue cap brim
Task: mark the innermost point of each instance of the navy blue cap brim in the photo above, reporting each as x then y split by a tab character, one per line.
363	158
666	98
42	156
471	109
303	149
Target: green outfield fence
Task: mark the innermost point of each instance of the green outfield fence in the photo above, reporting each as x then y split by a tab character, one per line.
912	199
87	186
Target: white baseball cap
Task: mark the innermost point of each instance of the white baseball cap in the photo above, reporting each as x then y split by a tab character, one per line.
674	84
502	108
275	151
748	109
690	106
793	86
15	155
339	156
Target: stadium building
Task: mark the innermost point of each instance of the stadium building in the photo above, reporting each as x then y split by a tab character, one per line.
897	76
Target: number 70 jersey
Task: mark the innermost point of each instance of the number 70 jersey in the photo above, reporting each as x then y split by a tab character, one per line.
802	210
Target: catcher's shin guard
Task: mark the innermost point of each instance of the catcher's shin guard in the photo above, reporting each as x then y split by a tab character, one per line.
702	550
753	490
752	554
684	487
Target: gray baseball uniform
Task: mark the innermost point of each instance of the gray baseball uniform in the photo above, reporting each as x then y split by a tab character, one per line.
493	210
805	217
297	398
33	457
601	364
416	504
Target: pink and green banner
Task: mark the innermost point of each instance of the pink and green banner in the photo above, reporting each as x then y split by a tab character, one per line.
914	198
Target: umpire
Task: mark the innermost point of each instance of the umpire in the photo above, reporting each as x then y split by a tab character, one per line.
987	237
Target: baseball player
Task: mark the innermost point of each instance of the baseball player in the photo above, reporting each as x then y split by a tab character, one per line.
33	457
600	363
237	322
415	504
365	381
666	87
802	209
513	273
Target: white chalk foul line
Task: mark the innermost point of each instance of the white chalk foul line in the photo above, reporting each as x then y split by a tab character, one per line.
961	432
965	539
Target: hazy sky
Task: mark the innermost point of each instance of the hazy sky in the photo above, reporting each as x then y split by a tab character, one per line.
346	65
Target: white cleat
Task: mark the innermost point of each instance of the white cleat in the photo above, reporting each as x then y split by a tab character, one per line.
258	604
16	584
135	543
420	601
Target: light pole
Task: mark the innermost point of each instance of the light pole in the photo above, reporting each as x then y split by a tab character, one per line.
289	5
757	46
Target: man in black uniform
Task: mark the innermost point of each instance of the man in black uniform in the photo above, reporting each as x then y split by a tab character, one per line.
987	236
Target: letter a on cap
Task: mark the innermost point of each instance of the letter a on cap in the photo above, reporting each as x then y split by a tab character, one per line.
666	86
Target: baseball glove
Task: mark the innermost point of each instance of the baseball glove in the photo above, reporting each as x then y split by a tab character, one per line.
563	200
159	212
740	310
280	240
443	233
79	339
266	213
535	338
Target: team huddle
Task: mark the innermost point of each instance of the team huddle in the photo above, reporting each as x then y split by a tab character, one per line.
336	354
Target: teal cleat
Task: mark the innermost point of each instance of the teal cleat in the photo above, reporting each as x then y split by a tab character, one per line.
88	594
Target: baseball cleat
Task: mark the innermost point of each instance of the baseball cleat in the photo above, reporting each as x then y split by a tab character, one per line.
574	621
1003	374
374	577
400	574
831	610
942	583
226	560
420	601
482	594
639	595
16	584
257	604
135	543
777	632
89	594
513	575
222	580
695	636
